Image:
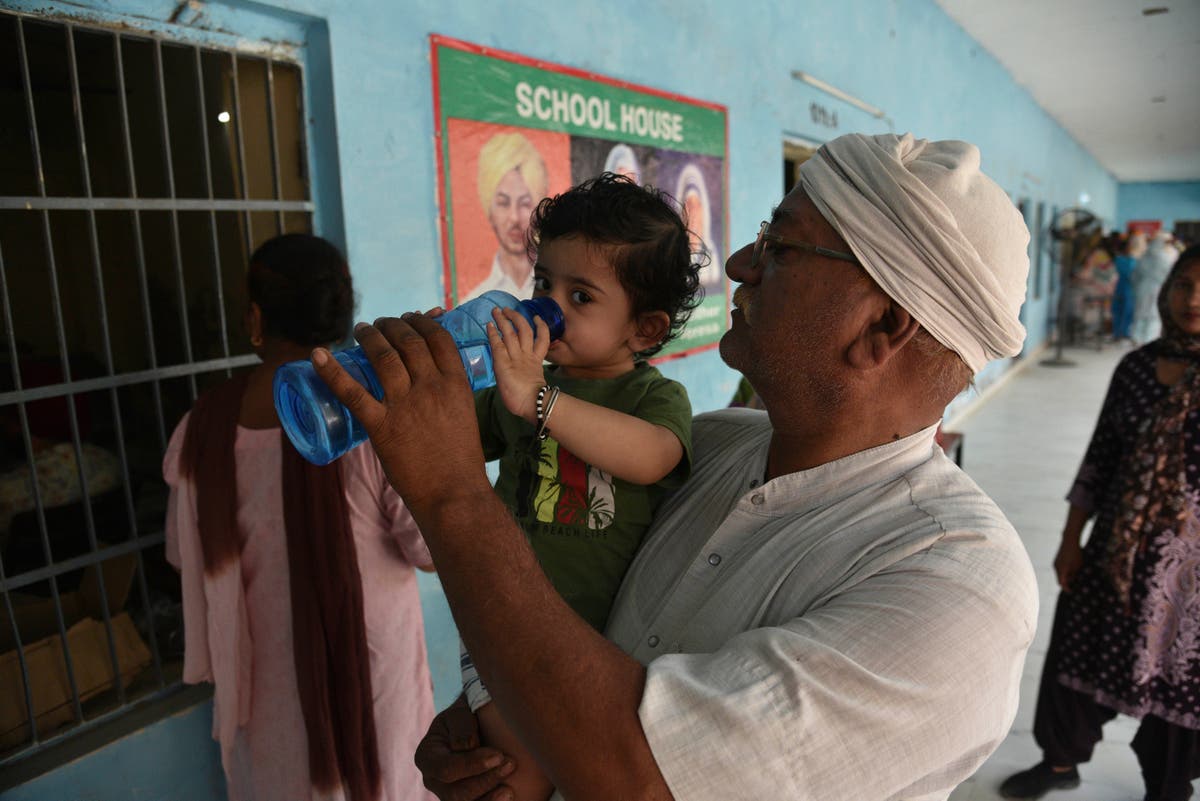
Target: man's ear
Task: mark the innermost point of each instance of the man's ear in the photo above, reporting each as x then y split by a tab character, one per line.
652	328
888	329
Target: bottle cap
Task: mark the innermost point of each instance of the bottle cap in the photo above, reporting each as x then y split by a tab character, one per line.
549	311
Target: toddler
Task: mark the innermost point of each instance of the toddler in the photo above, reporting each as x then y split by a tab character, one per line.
591	442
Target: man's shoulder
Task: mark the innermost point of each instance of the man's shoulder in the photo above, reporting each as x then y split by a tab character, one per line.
975	536
944	492
735	419
728	430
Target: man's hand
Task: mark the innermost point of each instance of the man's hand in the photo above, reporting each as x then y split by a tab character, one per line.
517	357
454	765
424	429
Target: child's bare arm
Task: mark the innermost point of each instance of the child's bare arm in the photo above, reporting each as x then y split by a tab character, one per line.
528	783
620	444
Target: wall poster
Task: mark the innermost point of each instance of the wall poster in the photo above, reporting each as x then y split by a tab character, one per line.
511	130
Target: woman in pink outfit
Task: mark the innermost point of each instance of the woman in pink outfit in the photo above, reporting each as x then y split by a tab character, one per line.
300	598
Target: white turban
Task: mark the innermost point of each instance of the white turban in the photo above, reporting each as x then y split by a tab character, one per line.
937	235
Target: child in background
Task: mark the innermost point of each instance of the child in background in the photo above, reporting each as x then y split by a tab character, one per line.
591	443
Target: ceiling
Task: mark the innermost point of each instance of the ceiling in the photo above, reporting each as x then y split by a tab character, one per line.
1126	85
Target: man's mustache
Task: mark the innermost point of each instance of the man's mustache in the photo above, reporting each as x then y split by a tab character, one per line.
743	297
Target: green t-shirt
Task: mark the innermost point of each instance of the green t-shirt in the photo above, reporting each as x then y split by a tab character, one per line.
584	525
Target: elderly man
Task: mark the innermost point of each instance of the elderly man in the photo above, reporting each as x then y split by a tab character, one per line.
828	609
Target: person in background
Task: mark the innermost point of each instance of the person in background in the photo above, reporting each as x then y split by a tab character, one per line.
300	600
512	179
1089	293
828	608
1128	250
1126	636
1148	278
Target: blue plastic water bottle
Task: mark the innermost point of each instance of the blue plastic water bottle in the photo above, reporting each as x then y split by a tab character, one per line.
322	428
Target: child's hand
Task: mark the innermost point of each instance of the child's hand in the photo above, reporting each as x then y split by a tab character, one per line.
517	357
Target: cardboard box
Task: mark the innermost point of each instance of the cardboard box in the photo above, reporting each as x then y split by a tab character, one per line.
50	686
35	614
87	641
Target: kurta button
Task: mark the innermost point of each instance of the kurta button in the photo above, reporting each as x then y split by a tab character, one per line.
757	499
754	483
653	641
714	559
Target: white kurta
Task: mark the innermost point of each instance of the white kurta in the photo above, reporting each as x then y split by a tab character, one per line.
853	631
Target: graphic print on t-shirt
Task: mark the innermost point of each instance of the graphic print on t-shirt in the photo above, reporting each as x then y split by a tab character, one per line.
570	491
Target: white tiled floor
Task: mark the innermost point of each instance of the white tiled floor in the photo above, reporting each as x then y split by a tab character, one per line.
1023	444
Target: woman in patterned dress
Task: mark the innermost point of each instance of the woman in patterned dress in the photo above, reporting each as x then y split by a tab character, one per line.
1126	636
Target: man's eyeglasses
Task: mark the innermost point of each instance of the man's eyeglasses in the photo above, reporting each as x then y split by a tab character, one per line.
764	238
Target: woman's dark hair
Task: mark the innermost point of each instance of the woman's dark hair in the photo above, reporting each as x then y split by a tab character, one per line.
1116	243
1189	255
302	284
643	231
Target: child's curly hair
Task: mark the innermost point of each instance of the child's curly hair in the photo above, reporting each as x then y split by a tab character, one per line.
649	243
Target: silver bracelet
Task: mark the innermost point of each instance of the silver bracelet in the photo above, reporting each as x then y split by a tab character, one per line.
544	407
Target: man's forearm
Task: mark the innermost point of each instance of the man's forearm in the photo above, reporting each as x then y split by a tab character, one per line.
570	695
1077	518
557	682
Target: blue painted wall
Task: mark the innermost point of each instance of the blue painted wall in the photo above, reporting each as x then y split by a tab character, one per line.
173	760
369	88
1164	200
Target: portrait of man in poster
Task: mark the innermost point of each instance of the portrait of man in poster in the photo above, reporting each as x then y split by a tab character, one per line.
514	130
512	179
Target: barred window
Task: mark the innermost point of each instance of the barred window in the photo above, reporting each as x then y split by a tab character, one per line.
137	173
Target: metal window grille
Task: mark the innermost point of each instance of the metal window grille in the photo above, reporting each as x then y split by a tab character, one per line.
136	175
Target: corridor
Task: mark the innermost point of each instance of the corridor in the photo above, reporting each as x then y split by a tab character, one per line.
1023	444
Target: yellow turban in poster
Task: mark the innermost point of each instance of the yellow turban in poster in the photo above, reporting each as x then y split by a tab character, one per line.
505	152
